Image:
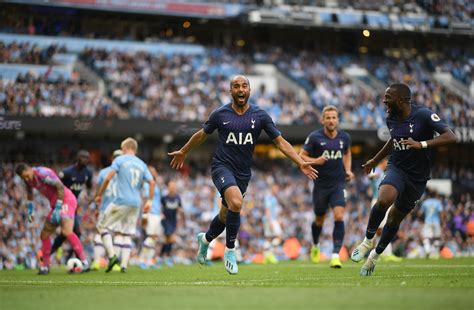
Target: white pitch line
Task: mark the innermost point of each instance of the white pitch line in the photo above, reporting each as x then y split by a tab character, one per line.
397	265
5	282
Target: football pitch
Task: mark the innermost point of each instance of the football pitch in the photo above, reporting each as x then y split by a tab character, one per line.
411	284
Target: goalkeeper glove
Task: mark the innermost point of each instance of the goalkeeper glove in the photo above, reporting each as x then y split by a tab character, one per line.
30	211
56	216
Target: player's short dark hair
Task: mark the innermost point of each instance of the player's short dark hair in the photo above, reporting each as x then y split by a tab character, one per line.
402	90
20	167
235	76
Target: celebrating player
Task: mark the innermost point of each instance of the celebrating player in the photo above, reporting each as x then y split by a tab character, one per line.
329	148
63	207
107	198
74	177
412	128
239	125
131	172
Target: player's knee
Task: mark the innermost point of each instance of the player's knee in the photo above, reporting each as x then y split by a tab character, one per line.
235	204
319	220
338	213
384	203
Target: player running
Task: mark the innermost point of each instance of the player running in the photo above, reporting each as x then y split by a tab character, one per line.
75	177
271	224
152	223
239	125
412	128
376	177
329	149
131	172
171	207
432	209
63	207
107	198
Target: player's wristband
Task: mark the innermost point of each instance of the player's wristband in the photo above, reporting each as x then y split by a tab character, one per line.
149	201
424	144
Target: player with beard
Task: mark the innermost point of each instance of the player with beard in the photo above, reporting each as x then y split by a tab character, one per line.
412	128
329	149
239	125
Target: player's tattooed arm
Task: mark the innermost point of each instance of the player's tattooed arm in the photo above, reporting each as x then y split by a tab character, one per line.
103	186
179	156
314	161
286	148
445	138
372	163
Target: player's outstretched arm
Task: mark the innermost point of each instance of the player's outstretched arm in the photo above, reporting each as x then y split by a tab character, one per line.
179	156
447	137
372	163
304	154
286	148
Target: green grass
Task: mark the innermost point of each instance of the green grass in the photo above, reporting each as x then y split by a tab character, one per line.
412	284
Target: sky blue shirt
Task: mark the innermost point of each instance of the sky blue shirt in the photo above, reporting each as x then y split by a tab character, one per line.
375	181
156	204
271	204
111	190
131	173
432	208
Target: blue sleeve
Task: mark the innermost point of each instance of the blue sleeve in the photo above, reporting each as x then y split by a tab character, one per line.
211	124
434	121
147	174
100	178
308	143
269	126
146	190
348	143
440	207
116	164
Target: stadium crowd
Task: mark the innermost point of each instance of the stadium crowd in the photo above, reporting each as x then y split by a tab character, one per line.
27	53
35	96
188	88
19	242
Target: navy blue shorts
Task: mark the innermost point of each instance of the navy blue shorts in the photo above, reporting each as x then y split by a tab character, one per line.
409	192
324	198
223	178
169	227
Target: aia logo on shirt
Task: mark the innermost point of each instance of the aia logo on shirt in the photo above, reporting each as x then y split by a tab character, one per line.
398	146
239	138
331	154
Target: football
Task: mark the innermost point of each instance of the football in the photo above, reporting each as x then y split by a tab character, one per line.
74	265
